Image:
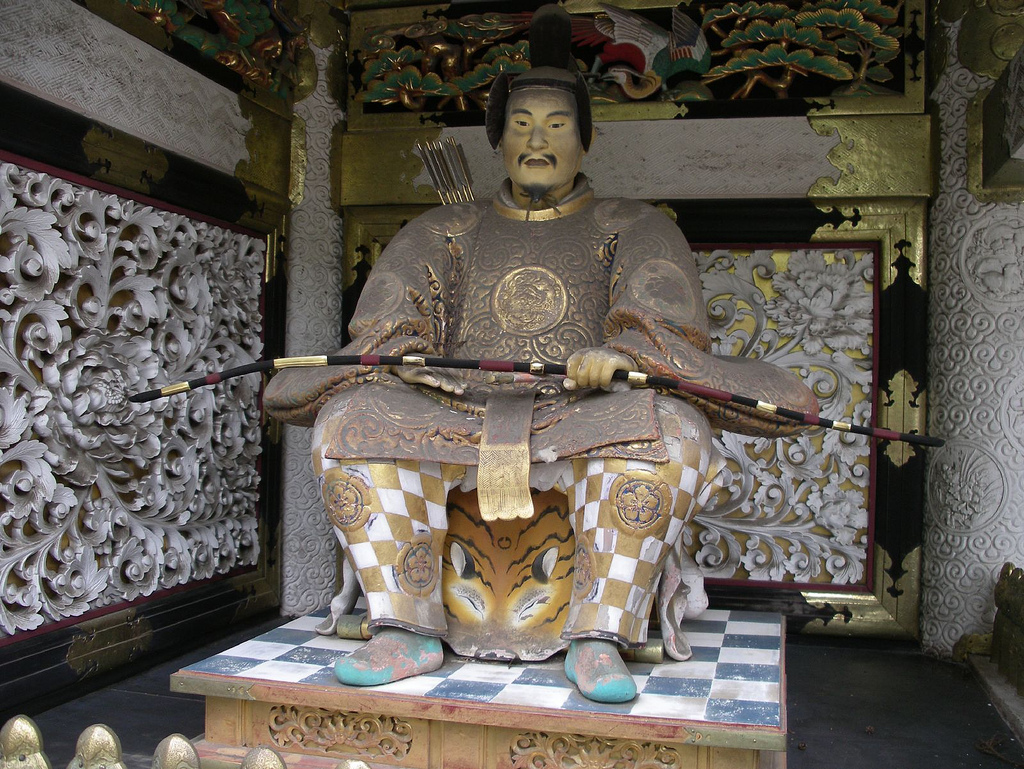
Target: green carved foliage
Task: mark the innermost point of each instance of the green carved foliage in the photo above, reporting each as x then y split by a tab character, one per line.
785	31
751	10
800	62
388	62
409	86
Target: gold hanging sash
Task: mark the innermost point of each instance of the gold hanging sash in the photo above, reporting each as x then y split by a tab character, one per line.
503	474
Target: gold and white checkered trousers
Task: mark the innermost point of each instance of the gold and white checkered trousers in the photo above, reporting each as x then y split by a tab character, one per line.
391	521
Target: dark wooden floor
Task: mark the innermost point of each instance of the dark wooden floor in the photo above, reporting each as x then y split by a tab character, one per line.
856	705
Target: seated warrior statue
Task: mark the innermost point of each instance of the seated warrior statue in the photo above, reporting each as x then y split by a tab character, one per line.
544	272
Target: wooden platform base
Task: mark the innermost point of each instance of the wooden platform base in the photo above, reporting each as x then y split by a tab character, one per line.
724	709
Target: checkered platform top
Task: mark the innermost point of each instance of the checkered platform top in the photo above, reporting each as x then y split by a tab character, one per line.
734	677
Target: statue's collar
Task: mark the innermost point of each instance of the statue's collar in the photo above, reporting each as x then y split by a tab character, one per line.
576	200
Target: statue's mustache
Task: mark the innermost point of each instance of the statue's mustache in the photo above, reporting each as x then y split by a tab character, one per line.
543	156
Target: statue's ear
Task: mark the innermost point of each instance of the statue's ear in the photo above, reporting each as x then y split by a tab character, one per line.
497	99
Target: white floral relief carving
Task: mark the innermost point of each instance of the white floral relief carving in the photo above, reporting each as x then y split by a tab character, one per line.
967	487
793	508
101	500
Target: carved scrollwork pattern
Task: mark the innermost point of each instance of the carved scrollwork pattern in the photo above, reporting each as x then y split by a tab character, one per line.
103	501
972	521
314	325
537	750
793	509
340	732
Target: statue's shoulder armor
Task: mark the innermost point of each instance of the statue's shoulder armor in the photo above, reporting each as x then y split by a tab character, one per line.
617	214
450	220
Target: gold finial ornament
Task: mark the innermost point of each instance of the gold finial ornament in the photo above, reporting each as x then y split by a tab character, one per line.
175	752
262	758
97	748
21	745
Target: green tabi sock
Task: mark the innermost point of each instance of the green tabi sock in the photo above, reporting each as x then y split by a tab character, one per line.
598	671
392	654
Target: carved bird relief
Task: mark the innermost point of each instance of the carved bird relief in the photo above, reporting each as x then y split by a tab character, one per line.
640	55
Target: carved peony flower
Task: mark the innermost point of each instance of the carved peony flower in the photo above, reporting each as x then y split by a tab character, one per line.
91	391
841	511
822	304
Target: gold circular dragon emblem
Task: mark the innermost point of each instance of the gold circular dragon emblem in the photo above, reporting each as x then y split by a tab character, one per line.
529	300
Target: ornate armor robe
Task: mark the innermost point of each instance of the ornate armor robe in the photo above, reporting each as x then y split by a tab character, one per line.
490	280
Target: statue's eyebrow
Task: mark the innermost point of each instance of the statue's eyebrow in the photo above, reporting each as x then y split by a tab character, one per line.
556	113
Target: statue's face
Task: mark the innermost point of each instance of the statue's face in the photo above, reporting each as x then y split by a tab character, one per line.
541	143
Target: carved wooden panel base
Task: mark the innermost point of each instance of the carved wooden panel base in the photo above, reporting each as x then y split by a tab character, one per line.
319	738
723	708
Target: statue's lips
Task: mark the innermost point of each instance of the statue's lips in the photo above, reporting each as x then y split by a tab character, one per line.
537	163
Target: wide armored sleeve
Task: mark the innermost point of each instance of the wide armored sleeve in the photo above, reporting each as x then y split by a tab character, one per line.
402	309
658	316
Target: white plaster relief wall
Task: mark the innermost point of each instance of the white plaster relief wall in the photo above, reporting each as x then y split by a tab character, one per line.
973	520
314	258
63	53
103	501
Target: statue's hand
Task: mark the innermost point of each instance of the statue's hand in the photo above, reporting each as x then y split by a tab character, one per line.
439	379
594	367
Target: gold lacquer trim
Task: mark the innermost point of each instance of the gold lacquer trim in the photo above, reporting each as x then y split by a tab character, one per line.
174	389
109	642
892	612
183	682
901	408
124	160
636	378
309	360
299	160
877	156
413	360
545	214
771	408
896	225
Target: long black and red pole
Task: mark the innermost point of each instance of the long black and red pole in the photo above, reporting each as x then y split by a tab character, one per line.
538	369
